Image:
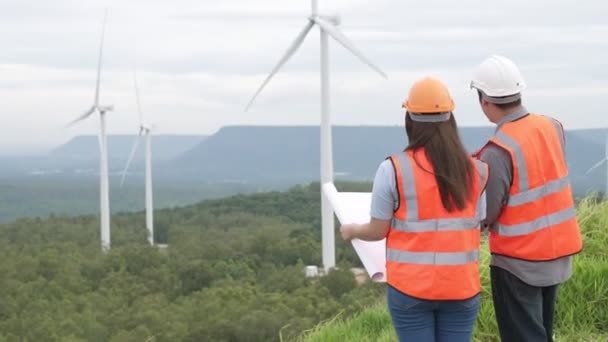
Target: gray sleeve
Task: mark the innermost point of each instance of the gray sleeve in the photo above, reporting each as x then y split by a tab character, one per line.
483	206
384	192
499	180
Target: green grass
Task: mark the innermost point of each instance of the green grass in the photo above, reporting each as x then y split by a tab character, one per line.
582	306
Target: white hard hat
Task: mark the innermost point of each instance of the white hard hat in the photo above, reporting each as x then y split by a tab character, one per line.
498	77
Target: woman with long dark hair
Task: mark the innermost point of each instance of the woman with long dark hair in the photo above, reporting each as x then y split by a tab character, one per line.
428	202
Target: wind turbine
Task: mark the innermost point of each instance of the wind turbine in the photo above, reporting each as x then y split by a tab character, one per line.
599	163
144	130
327	26
104	191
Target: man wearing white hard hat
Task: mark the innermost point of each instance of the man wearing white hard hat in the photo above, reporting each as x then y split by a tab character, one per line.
530	208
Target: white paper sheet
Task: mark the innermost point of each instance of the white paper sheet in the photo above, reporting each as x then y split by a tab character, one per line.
353	207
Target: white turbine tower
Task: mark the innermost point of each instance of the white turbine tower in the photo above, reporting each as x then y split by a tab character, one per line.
327	26
599	163
104	190
143	130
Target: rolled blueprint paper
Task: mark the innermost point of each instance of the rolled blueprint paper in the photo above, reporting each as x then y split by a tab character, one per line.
353	207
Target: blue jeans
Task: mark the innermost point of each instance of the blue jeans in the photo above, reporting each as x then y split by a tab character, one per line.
421	320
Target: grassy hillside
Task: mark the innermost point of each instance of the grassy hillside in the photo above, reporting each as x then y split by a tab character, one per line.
582	308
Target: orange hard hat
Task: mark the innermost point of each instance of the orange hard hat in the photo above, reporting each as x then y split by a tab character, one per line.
429	96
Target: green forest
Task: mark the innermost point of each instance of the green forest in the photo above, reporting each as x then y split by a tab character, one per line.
31	197
233	271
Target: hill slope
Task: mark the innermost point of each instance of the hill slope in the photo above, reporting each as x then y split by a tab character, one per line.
266	152
291	154
582	308
119	146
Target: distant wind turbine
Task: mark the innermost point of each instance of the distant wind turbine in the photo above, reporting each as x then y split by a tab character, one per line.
327	26
599	163
104	190
143	130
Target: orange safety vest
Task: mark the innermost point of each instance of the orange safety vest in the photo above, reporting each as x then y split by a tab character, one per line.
432	253
538	221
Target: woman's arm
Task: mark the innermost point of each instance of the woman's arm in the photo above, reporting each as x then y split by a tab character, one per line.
384	198
373	231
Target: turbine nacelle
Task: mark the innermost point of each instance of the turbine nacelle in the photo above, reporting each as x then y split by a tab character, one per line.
105	109
146	128
334	18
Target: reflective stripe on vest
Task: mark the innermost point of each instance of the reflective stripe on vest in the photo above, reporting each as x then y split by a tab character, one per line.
540	192
538	224
525	194
560	134
413	224
432	258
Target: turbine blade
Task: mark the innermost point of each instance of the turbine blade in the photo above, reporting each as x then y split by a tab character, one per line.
131	156
103	32
290	51
83	116
333	31
598	164
141	116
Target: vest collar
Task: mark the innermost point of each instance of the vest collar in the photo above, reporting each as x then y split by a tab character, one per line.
516	114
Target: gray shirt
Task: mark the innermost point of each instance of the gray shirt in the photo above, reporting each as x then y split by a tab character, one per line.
384	193
544	273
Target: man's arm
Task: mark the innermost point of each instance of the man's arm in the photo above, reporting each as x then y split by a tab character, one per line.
499	181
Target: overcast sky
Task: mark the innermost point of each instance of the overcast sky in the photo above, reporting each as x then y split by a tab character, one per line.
199	62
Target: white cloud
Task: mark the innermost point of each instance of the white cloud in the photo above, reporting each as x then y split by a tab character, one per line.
200	61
